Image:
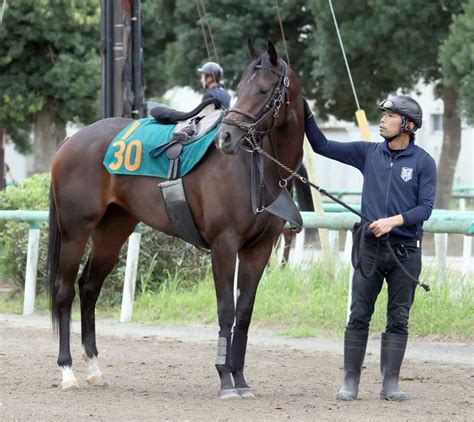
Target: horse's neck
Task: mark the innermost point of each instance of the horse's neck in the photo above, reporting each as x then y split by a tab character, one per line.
286	145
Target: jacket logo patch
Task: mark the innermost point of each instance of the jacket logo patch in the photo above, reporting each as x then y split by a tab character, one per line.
406	174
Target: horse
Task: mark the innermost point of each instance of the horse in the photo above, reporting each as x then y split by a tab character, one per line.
87	202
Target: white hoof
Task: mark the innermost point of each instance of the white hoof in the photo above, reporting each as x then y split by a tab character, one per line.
69	384
245	393
96	381
229	393
69	380
94	374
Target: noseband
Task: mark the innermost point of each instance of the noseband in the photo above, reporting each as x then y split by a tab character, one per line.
271	108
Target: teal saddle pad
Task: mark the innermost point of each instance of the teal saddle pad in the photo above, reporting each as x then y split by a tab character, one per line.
129	151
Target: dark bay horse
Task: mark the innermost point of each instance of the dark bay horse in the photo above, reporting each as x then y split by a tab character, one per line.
89	203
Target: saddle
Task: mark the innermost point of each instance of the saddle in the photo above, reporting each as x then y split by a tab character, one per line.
190	127
169	116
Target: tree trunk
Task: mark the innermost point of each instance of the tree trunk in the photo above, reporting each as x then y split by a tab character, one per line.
48	133
3	182
450	149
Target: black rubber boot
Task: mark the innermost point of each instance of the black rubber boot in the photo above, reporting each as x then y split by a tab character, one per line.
355	343
392	351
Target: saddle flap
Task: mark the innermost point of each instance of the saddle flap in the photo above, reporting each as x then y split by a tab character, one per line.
285	208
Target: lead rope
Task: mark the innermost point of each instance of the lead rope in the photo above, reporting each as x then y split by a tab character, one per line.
255	147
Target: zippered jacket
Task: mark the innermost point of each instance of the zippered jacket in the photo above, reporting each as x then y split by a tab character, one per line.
220	93
403	185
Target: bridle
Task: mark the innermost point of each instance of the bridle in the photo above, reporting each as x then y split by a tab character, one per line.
253	130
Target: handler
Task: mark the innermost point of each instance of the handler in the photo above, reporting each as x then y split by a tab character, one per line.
397	196
211	78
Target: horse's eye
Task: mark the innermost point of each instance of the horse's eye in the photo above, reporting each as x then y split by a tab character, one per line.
264	90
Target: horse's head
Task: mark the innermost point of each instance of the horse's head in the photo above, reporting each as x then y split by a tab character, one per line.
263	97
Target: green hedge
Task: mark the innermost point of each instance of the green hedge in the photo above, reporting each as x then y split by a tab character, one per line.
160	255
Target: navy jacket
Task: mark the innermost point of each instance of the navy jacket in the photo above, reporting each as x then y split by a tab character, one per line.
220	93
402	185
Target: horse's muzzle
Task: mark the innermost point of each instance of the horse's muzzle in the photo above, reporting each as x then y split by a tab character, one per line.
226	144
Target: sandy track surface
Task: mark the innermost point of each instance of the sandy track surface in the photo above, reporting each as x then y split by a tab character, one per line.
167	373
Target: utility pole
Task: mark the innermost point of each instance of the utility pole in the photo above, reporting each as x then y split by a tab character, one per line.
121	51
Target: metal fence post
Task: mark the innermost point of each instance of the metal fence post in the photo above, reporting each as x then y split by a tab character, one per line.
31	269
131	268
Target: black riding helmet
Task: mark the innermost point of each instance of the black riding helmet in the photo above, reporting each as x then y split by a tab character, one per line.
408	108
212	69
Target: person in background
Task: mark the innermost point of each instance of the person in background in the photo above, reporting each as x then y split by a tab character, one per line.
212	75
397	197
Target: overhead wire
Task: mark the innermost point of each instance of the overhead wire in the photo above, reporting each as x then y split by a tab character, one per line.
360	114
344	54
282	32
201	21
210	30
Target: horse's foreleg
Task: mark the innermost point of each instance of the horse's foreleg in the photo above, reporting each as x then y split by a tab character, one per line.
70	258
223	267
252	262
107	240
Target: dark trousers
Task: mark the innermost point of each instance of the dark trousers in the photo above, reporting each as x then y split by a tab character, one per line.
401	290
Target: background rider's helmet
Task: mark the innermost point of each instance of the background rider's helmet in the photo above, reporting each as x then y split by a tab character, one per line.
407	107
212	69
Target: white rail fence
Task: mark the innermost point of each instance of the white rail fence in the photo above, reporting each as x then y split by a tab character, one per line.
442	223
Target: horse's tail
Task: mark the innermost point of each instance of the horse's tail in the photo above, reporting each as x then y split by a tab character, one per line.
54	250
303	192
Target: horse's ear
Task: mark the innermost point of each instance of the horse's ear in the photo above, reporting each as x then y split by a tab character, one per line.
252	50
272	53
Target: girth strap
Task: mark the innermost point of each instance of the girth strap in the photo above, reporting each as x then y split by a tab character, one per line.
179	213
257	181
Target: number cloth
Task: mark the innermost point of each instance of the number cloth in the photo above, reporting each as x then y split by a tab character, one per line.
129	151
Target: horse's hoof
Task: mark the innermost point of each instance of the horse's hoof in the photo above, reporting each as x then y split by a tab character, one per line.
228	393
245	393
96	381
69	384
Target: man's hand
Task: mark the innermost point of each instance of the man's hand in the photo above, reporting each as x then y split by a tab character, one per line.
384	225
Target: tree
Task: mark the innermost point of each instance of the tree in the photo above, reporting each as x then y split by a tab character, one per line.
49	71
179	47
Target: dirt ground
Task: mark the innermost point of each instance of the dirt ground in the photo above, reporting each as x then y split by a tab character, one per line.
168	374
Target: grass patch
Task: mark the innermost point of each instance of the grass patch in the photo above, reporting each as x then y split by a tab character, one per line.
293	301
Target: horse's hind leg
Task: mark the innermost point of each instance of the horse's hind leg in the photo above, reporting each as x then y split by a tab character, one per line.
107	240
72	249
252	262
